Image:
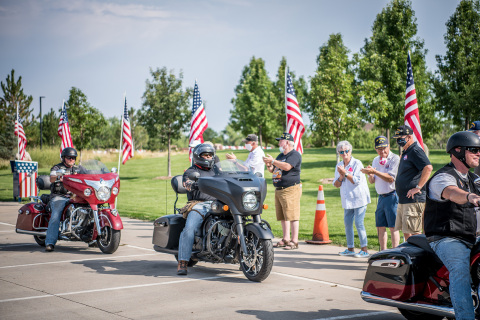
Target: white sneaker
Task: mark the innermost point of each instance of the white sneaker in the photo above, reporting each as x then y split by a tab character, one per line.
362	254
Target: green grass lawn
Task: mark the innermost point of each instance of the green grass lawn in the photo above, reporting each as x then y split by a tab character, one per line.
144	196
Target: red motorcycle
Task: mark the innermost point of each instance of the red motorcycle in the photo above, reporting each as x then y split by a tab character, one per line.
90	216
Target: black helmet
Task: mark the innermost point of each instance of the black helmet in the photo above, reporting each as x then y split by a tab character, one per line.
201	149
68	152
462	140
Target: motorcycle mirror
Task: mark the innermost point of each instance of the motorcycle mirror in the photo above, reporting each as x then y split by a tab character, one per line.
114	170
193	176
61	172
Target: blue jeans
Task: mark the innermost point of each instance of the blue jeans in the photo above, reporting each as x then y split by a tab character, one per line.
358	214
456	257
57	204
192	225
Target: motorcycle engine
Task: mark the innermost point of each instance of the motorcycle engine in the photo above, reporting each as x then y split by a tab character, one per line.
76	221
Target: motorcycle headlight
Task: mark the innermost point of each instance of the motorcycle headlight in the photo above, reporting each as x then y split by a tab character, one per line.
115	190
87	192
249	200
103	193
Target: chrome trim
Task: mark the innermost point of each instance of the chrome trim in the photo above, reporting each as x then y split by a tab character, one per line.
33	223
97	184
97	222
75	180
387	263
32	233
419	307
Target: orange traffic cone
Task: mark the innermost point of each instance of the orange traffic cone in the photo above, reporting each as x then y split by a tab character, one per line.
320	228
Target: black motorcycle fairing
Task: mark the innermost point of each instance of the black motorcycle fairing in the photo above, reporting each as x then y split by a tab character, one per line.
231	187
260	230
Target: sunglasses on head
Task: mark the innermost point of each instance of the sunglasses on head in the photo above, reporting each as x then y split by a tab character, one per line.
473	149
342	152
71	158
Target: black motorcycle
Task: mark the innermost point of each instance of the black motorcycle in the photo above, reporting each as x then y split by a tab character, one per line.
232	231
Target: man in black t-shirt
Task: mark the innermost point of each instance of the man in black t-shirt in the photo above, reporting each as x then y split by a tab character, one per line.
288	189
413	172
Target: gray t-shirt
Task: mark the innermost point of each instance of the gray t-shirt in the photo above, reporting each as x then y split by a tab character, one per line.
440	182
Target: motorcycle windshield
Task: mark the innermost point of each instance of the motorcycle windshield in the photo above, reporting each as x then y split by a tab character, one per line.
94	167
231	167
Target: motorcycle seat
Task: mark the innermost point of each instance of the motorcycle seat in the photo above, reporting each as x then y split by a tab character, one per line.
420	240
177	185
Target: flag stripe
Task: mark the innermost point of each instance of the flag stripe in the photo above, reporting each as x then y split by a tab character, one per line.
64	129
295	124
127	145
199	120
412	116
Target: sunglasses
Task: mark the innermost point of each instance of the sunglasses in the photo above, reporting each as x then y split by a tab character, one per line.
206	155
342	152
473	149
70	158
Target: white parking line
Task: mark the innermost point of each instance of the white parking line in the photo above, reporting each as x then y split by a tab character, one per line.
80	260
135	247
119	288
8	231
7	224
333	284
358	315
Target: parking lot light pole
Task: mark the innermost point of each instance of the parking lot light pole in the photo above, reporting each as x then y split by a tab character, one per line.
41	136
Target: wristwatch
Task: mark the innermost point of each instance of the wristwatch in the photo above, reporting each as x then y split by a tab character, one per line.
346	174
418	187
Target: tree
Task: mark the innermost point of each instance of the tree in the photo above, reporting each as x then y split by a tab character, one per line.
457	83
231	137
13	96
85	121
50	128
301	92
332	104
254	103
382	69
165	113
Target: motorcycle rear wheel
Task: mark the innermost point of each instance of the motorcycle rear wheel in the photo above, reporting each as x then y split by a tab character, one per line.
257	263
414	315
40	240
109	240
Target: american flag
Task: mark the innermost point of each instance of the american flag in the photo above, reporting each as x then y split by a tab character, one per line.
294	117
199	120
27	175
127	148
64	129
412	118
22	139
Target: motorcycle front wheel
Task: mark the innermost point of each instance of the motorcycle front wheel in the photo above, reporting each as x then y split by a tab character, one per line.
109	240
257	263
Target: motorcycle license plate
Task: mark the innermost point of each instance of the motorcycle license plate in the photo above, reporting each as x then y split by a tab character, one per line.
104	206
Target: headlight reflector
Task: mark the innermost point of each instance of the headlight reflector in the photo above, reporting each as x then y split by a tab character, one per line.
103	193
249	200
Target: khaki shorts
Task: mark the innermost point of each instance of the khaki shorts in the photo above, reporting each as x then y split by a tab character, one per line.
409	217
287	203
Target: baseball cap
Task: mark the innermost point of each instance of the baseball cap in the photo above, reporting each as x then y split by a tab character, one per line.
251	137
474	126
285	136
403	131
381	142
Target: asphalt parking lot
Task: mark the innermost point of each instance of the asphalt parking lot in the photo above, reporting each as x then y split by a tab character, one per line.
77	282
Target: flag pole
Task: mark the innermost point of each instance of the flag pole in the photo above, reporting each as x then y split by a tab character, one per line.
285	93
120	148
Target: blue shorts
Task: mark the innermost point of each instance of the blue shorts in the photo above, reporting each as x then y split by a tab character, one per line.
386	212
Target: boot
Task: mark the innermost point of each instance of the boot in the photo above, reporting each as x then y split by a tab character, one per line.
182	268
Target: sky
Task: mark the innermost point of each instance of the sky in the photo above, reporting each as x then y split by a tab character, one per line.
107	48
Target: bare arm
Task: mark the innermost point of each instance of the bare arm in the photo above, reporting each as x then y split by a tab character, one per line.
423	179
457	195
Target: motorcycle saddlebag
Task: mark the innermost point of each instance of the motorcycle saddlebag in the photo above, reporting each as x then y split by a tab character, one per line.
399	274
31	217
166	231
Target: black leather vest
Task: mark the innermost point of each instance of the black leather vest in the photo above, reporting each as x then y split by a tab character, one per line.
449	218
57	187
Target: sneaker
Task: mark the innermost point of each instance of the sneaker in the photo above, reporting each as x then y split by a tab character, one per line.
362	254
347	253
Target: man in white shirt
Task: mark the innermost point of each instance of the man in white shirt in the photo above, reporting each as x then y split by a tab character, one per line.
255	157
383	172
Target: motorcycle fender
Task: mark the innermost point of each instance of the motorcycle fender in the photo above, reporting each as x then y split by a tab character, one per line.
259	231
106	218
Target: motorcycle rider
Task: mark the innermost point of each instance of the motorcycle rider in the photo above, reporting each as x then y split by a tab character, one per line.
59	196
203	161
450	221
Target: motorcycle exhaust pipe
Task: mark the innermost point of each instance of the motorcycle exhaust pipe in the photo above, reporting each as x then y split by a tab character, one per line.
425	308
32	233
